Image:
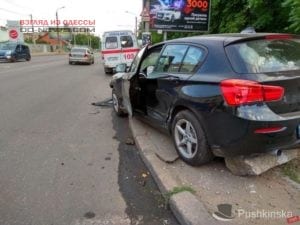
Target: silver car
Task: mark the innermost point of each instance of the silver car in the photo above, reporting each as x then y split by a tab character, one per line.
81	55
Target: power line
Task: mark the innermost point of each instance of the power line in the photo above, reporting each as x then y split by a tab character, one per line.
12	2
10	11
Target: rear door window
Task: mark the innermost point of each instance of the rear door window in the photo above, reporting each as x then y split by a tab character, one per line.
180	59
78	50
171	58
191	60
126	41
266	55
111	42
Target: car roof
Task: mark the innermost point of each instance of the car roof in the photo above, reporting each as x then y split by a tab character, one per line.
84	48
228	38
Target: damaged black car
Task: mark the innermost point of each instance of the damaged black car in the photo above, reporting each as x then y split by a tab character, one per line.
217	95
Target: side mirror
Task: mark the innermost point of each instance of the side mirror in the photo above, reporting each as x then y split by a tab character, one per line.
149	69
121	68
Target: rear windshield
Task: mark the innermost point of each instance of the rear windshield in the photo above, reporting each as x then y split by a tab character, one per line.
262	56
111	42
79	50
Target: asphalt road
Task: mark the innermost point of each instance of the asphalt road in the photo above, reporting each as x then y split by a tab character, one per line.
63	160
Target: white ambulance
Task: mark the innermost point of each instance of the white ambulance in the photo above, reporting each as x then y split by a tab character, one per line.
118	47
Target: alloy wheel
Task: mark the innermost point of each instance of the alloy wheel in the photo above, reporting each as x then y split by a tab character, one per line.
186	138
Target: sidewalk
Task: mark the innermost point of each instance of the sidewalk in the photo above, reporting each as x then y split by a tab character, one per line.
196	192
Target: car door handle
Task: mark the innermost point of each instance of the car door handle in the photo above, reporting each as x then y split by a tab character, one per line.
170	77
174	79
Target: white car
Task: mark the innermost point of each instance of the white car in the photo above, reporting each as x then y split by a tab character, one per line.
168	14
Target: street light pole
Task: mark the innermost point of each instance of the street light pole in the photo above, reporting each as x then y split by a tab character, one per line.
136	31
57	30
136	22
32	28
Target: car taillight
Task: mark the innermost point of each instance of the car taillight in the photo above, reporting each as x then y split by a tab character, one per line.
237	92
270	130
70	54
85	55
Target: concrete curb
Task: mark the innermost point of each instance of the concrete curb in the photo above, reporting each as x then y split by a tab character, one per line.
185	206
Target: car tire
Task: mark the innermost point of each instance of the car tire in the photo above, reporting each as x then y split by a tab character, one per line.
189	139
116	104
107	71
28	58
13	59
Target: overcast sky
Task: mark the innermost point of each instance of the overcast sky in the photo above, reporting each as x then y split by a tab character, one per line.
109	14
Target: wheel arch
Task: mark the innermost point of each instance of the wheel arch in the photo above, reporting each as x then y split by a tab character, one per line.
180	107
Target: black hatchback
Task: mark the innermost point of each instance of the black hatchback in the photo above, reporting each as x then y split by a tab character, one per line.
12	52
223	95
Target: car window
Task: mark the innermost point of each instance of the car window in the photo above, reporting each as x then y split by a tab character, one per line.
151	60
136	60
261	56
191	60
126	41
8	46
78	50
171	58
111	42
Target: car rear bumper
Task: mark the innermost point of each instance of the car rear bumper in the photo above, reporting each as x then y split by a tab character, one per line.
240	134
82	60
249	142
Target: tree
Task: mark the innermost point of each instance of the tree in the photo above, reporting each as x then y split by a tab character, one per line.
235	15
86	39
228	16
293	7
268	15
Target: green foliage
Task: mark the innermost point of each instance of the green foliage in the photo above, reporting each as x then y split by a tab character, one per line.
86	39
293	7
177	190
292	170
28	40
263	15
228	16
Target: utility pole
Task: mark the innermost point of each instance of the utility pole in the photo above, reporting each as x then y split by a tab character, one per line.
57	30
135	21
136	26
32	35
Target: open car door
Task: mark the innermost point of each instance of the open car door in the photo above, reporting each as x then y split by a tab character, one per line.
128	77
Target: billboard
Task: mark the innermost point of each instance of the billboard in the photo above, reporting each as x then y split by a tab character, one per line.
179	15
